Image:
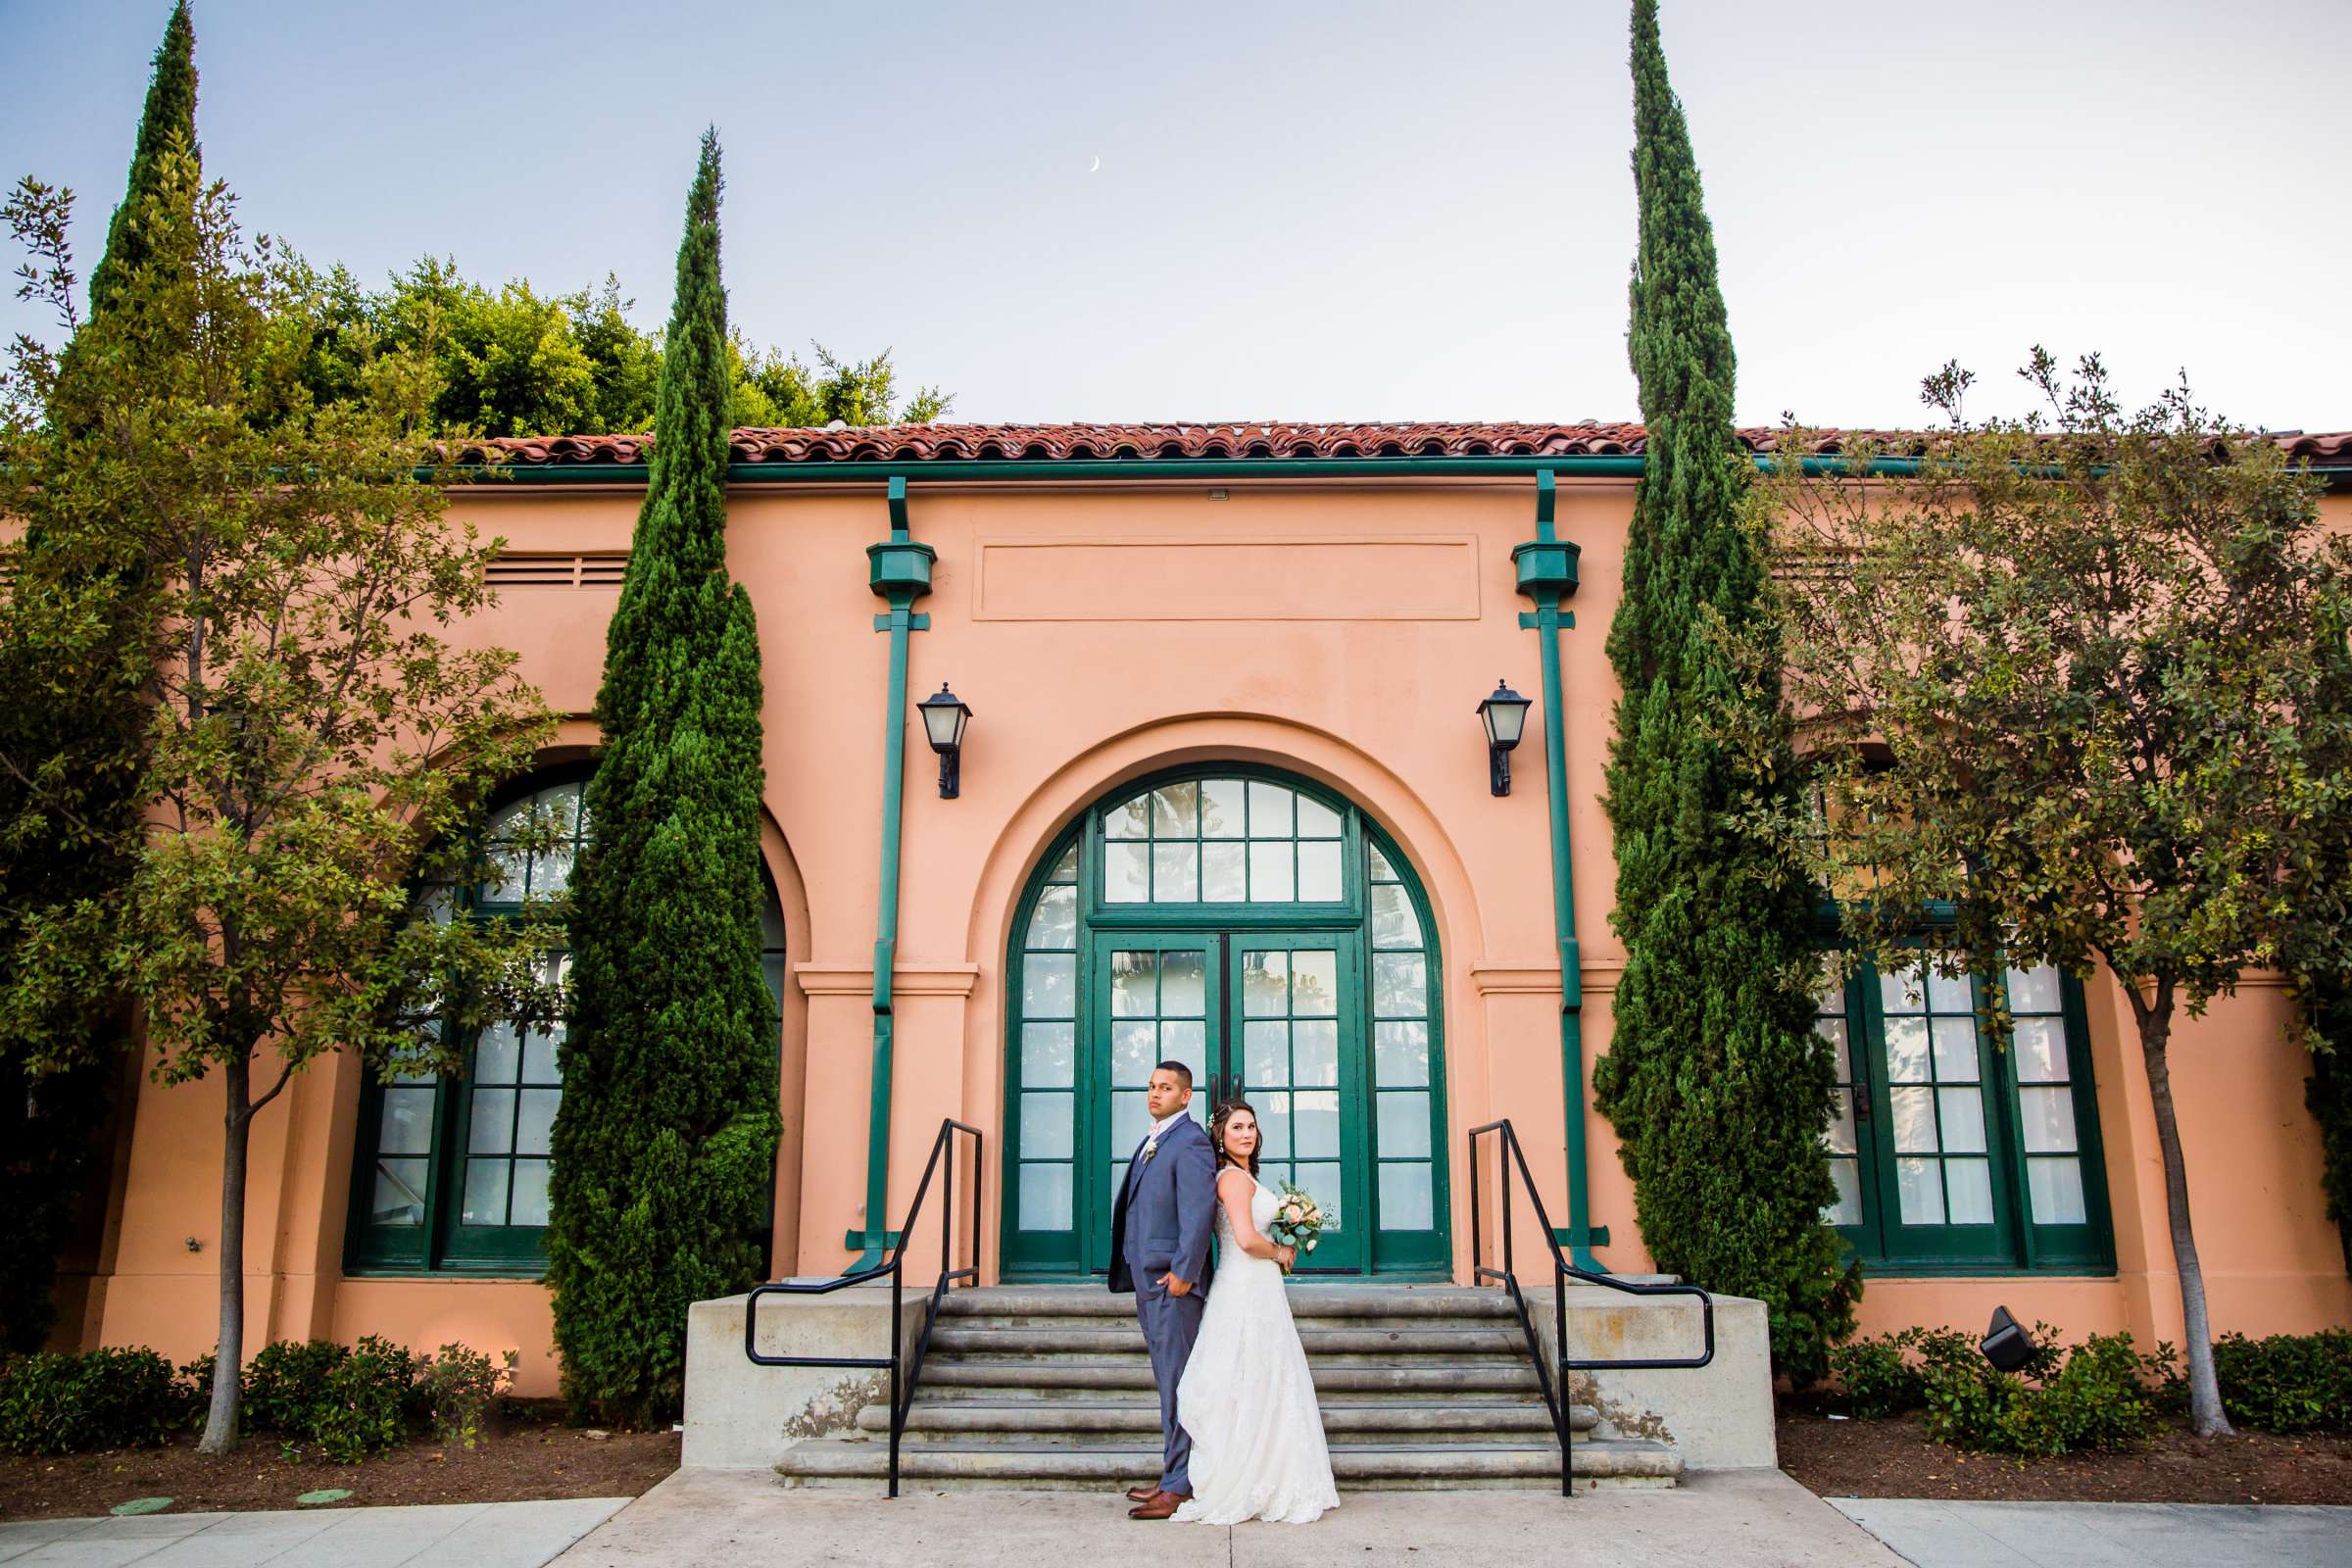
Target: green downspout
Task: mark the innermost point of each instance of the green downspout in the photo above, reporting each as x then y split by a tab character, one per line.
898	569
1547	566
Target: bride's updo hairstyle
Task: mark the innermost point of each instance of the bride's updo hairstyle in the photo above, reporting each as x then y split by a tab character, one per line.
1216	1133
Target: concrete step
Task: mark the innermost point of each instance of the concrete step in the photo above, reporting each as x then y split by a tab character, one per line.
859	1459
1478	1420
1091	1340
1419	1374
1334	1300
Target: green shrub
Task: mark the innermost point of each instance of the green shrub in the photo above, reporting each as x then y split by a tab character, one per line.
1877	1375
366	1404
458	1387
112	1399
2286	1382
2100	1394
285	1383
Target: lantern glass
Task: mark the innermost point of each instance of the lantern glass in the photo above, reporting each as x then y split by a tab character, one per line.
944	717
1505	714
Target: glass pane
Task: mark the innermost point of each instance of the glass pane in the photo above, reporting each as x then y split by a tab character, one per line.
1065	869
1130	1120
1393	924
539	1056
531	1194
1182	989
1401	1054
1269	811
2040	1051
1129	819
497	1055
406	1126
1225	873
1048	1054
1403	1124
1055	925
1919	1193
1274	1122
771	922
771	972
1265	984
1314	982
1900	990
1962	1119
1319	872
1044	1197
536	1121
398	1198
1186	1040
1221	809
1948	993
1046	1131
2048	1115
1270	871
1405	1198
1175	874
1134	1051
1834	1031
1315	1130
1914	1112
1847	1209
1840	1136
1126	873
1049	984
485	1192
1134	983
492	1127
1969	1186
1382	868
1315	1053
1322	1183
1317	820
1265	1051
2056	1186
2034	990
503	875
1907	1051
1399	985
1176	811
1956	1049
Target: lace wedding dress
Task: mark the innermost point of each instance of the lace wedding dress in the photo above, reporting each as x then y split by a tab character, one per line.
1245	1398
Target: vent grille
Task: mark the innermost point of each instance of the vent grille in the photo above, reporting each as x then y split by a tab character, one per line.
603	569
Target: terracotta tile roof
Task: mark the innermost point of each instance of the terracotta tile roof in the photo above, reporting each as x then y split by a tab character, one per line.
1014	443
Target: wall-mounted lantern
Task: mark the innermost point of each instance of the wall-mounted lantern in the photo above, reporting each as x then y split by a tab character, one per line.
944	717
1504	715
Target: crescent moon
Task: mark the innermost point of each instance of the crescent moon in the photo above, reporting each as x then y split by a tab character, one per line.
1097	163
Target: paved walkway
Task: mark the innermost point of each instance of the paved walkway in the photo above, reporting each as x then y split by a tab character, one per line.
466	1534
744	1519
2105	1535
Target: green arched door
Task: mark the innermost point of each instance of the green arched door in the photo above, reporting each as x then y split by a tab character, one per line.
1260	931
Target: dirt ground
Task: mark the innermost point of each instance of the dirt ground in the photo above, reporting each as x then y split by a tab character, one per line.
1894	1458
531	1456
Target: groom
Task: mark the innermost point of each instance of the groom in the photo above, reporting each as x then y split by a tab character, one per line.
1160	1250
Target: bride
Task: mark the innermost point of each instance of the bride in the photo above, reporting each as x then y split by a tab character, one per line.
1245	1398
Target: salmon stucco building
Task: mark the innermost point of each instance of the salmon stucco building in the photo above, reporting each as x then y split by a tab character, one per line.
1223	795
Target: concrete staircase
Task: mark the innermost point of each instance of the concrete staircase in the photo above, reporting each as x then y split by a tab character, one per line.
1049	1386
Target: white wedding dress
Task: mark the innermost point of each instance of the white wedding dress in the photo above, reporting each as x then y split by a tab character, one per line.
1246	1400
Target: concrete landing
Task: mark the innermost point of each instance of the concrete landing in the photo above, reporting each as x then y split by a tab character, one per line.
745	1519
2105	1535
467	1535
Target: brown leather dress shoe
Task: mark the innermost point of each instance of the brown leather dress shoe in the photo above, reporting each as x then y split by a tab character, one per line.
1142	1494
1161	1507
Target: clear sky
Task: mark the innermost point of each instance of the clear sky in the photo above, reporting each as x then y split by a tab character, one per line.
1302	210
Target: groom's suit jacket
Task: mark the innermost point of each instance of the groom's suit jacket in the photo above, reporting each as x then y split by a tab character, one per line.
1161	1221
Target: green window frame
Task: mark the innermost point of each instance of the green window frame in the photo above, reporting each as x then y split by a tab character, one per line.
1955	1150
449	1175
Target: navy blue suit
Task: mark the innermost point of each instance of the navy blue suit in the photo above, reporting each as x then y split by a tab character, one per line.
1161	1225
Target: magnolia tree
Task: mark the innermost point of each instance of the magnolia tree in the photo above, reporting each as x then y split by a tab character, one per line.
2083	681
276	579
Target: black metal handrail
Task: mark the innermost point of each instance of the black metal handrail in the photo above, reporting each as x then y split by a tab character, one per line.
1563	1271
902	1382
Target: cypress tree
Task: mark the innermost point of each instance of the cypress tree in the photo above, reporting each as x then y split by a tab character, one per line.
61	843
1714	1081
666	1136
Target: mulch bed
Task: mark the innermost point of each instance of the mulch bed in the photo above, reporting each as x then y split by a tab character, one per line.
1894	1458
530	1454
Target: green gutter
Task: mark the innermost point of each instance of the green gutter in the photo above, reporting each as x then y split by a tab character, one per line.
898	569
1547	567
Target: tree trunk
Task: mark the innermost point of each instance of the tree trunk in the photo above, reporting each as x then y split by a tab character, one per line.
2205	1415
228	1357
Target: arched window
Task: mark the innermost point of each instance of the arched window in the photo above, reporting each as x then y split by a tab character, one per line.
451	1174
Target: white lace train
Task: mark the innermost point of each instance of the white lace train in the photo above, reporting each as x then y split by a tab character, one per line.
1246	1400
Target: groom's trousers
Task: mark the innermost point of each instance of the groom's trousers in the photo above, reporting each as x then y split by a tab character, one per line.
1170	1325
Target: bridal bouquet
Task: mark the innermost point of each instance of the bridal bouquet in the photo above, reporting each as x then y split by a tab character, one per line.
1300	1219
